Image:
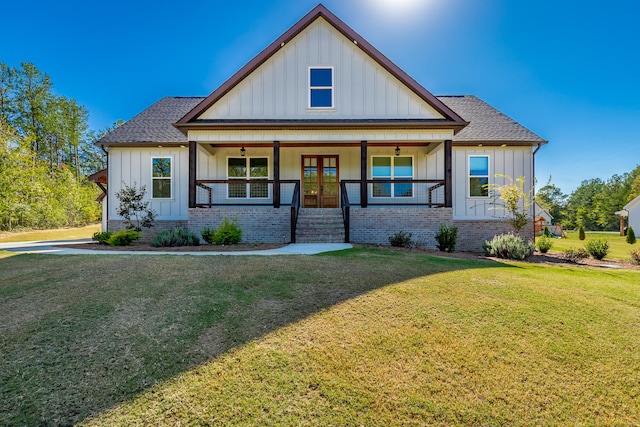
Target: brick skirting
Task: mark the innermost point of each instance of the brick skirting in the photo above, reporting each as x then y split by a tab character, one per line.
370	225
259	225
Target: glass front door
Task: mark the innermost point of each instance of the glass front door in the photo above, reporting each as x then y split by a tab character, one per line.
320	182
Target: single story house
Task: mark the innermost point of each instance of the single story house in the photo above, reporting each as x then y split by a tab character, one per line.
321	137
631	211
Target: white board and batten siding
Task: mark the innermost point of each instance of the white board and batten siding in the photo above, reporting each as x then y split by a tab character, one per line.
279	88
510	161
131	165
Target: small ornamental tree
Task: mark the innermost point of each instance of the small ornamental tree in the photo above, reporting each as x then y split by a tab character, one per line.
512	198
133	208
631	236
581	234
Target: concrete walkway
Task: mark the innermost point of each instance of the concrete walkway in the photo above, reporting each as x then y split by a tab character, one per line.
52	247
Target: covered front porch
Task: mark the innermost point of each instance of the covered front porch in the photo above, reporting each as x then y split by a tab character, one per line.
244	178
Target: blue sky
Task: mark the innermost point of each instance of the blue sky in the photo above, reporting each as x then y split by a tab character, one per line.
568	70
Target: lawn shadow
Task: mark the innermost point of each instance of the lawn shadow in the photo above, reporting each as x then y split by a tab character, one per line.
82	334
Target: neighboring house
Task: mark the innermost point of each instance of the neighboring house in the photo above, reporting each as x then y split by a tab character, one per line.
631	211
320	137
542	212
542	219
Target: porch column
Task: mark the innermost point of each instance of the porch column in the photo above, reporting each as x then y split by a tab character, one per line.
363	174
622	225
192	174
276	174
448	181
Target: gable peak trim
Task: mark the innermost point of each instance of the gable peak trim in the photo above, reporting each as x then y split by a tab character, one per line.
320	11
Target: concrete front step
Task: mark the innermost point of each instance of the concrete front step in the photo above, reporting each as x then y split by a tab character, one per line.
320	226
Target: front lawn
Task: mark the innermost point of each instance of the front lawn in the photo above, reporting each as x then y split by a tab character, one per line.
619	248
358	337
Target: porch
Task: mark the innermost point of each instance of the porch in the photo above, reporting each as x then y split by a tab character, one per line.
302	180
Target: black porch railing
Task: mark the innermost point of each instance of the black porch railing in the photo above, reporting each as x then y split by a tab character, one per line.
346	210
250	192
295	208
396	192
243	192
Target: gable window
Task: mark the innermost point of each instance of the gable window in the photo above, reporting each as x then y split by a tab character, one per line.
321	87
397	168
254	172
478	176
161	177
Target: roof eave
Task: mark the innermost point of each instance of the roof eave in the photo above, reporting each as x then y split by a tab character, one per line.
440	125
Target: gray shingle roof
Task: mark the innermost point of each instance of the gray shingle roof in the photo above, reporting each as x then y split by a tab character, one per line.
487	124
155	124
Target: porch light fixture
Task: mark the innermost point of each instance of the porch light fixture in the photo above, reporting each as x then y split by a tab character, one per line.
397	150
243	152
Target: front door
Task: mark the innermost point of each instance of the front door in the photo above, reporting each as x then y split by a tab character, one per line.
320	181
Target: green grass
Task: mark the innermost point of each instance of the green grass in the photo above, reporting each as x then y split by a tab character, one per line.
619	248
57	234
360	337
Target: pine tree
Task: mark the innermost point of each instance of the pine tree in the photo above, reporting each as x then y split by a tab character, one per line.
631	236
581	234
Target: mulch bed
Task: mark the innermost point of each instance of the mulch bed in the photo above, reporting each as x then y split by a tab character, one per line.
552	257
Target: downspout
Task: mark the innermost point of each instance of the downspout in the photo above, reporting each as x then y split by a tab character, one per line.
533	187
107	169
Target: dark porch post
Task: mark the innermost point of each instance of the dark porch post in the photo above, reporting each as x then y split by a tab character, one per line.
448	181
192	174
363	174
276	174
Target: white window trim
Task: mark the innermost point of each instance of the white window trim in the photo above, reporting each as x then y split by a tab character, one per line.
393	196
170	177
332	87
469	176
248	196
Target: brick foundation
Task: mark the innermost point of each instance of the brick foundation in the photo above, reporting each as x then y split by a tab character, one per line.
259	225
472	233
375	225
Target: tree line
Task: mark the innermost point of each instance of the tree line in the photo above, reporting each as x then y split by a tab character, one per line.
594	203
46	153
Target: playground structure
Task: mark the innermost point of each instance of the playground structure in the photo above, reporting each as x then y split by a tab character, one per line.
540	223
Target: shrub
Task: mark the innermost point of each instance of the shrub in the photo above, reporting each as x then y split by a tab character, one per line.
101	237
124	237
635	257
509	246
575	255
447	238
133	208
597	248
581	234
176	237
631	236
401	240
227	233
544	244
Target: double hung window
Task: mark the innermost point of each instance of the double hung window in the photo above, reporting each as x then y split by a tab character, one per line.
396	168
252	174
321	87
161	177
478	176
